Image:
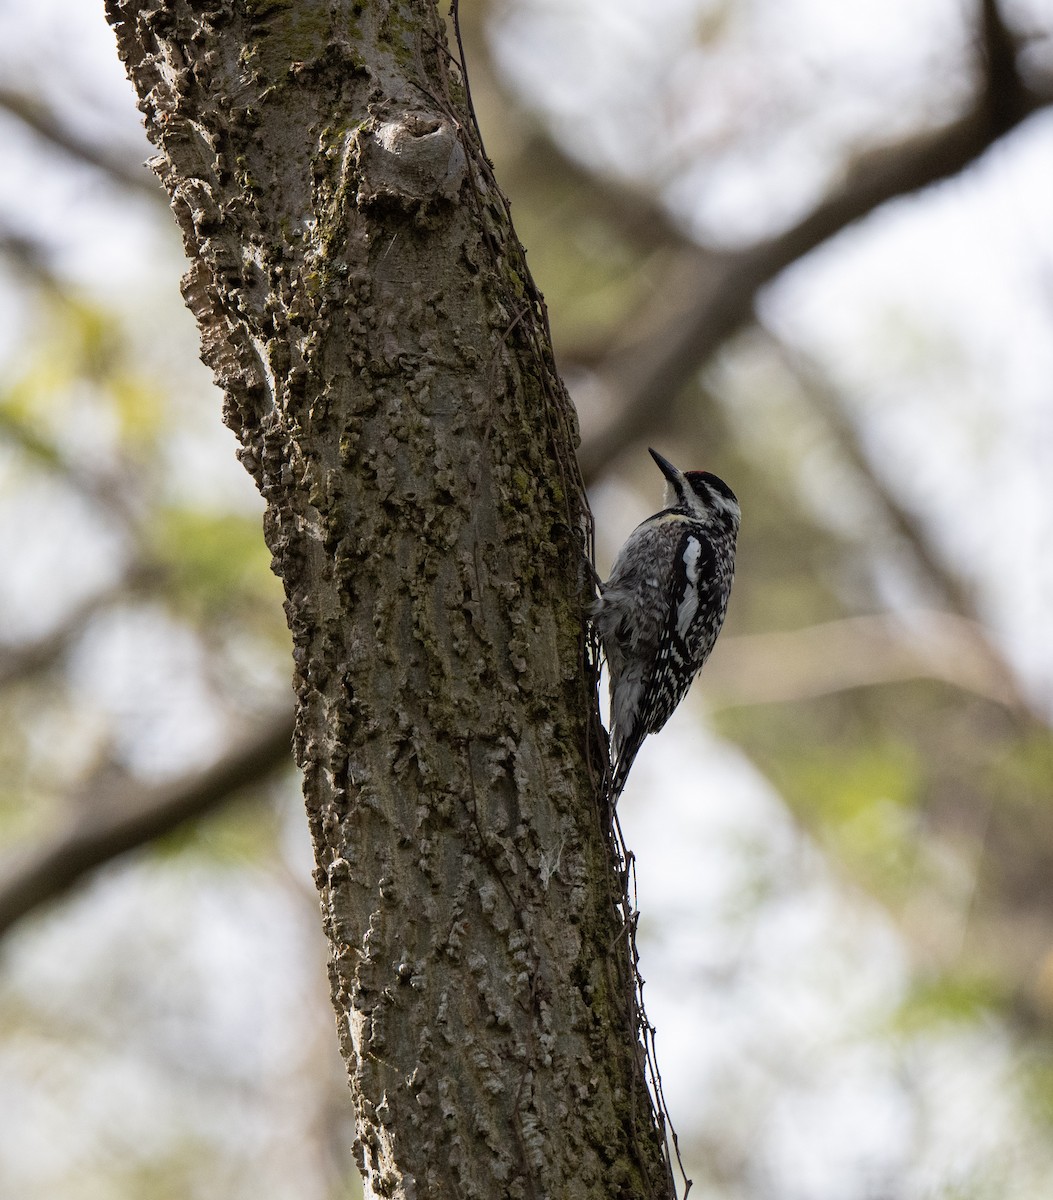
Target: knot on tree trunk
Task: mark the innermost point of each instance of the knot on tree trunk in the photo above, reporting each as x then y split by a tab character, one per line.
412	163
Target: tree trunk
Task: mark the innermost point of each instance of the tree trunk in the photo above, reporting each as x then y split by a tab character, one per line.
367	310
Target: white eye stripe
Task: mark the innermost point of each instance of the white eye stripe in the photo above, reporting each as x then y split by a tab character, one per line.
729	506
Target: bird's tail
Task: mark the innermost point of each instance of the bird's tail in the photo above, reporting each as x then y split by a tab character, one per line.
625	751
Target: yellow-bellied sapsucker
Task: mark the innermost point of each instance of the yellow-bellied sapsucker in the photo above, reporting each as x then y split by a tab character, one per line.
659	614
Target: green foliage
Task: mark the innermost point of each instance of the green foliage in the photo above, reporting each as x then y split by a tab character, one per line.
863	795
216	565
857	786
1022	773
78	361
1038	1079
240	832
951	997
843	783
592	278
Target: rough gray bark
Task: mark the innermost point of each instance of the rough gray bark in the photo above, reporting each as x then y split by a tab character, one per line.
366	308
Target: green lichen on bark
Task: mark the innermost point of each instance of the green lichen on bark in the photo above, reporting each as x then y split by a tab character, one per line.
367	309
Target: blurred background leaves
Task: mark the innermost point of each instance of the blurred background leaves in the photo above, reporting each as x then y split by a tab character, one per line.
804	245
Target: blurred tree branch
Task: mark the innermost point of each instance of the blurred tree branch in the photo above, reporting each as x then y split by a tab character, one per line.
39	117
831	409
29	256
716	290
118	819
956	593
21	661
821	660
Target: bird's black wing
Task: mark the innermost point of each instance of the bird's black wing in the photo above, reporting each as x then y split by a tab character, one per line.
674	663
678	656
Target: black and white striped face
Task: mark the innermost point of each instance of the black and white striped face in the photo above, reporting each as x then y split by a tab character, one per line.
710	497
701	494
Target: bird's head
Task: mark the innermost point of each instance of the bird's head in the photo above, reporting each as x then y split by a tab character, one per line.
700	494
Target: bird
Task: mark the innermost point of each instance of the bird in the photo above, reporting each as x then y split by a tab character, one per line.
659	613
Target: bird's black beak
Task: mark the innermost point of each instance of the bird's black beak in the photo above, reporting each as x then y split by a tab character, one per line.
666	467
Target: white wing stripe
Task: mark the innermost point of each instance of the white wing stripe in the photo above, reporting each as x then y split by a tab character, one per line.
688	606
